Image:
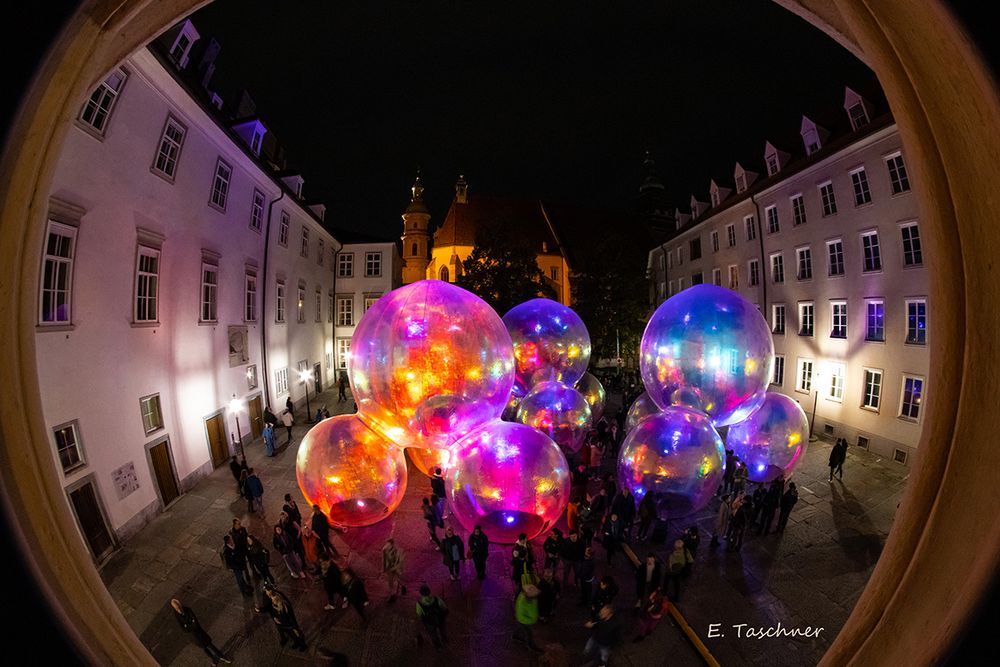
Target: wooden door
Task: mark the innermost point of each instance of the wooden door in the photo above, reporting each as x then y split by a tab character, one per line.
318	378
256	417
163	471
218	443
91	520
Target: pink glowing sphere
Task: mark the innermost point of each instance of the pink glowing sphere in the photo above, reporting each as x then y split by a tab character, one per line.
429	363
558	411
641	408
675	455
550	343
356	476
714	342
772	440
592	390
510	479
427	459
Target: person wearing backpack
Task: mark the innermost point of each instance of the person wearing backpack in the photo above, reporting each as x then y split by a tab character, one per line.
680	559
431	611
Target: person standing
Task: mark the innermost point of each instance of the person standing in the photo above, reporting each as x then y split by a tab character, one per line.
279	608
571	551
648	577
294	531
260	559
189	623
573	515
392	568
431	612
321	527
268	439
270	417
255	491
437	486
237	469
236	561
605	634
354	592
551	548
647	514
312	547
624	506
285	545
292	509
650	614
453	551
770	505
679	560
722	520
548	595
342	388
691	541
787	503
729	476
526	615
287	419
289	406
611	535
740	478
430	516
239	535
332	578
585	576
479	550
605	594
518	567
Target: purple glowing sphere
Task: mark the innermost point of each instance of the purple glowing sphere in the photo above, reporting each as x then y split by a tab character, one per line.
714	343
550	343
558	411
510	479
772	440
641	408
675	455
593	391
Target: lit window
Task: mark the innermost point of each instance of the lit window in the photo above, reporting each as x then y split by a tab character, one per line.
777	268
839	318
779	370
97	110
301	304
55	297
734	277
912	395
370	300
373	264
281	381
862	193
169	149
835	257
345	311
751	227
147	277
872	253
872	389
257	211
731	235
771	214
778	319
279	301
345	265
283	229
343	352
250	298
897	174
220	186
807	319
209	293
837	372
804	376
874	320
827	197
912	254
68	447
152	417
798	210
916	321
804	265
754	273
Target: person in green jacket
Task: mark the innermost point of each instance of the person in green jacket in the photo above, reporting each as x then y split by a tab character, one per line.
526	614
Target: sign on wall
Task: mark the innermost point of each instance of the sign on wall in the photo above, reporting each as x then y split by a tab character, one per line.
125	480
239	353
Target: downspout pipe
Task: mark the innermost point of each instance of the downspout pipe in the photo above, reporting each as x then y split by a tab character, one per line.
763	265
263	301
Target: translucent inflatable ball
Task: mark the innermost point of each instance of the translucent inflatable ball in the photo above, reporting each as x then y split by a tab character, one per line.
772	440
558	411
550	343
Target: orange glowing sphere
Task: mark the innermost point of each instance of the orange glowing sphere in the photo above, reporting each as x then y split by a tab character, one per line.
427	459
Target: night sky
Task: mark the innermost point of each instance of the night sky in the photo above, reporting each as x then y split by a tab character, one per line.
552	99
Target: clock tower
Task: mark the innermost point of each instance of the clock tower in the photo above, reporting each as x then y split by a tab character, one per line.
416	235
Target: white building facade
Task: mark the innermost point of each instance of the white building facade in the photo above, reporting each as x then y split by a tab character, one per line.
828	247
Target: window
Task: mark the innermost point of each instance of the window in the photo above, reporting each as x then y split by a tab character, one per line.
741	182
804	262
807	319
804	376
96	112
772	164
220	186
811	140
731	235
835	257
837	372
250	298
279	301
343	352
874	320
916	321
754	273
694	247
331	306
443	274
321	249
252	376
873	256
169	149
873	389
680	284
798	210
147	275
778	319
257	210
304	250
178	53
897	174
301	304
862	442
751	227
912	255
283	230
771	214
680	255
373	263
862	193
779	370
345	311
912	394
828	199
281	381
696	278
370	300
671	289
839	317
209	293
734	277
554	273
670	260
777	268
715	200
345	265
717	277
152	417
715	241
68	447
859	118
319	305
256	140
55	297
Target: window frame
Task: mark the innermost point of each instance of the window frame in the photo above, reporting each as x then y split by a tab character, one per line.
219	196
777	268
861	187
916	248
69	261
753	272
830	255
868	319
373	255
717	276
715	240
143	250
778	376
838	374
281	381
798	204
142	413
804	380
280	301
773	221
834	306
178	145
101	95
345	317
873	251
208	311
807	311
914	406
899	178
803	263
915	340
284	225
345	259
81	462
731	235
866	395
257	203
775	320
750	227
734	277
343	352
300	304
304	240
249	296
827	198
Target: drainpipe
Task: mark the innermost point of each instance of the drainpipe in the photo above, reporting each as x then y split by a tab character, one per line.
763	266
333	327
263	302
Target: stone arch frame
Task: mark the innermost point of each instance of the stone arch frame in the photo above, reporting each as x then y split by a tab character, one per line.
948	113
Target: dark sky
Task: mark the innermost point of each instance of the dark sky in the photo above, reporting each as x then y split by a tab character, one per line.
552	99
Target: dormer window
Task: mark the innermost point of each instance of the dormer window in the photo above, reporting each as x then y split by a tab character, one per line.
715	198
772	164
180	50
811	140
741	182
217	101
859	117
256	140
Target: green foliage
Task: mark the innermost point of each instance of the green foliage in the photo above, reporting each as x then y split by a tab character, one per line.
503	271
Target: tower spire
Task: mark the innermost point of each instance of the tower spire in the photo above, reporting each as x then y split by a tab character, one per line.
416	234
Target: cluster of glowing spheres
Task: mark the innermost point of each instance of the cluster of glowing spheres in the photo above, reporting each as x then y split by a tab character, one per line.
356	476
558	411
593	391
510	479
772	440
676	455
550	343
714	343
641	408
430	362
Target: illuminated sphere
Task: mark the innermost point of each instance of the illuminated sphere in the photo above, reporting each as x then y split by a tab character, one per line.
593	391
641	408
687	397
772	440
558	411
429	363
550	343
713	341
676	455
356	476
510	479
427	459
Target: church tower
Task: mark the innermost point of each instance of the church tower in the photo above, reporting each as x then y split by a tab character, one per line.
416	235
653	209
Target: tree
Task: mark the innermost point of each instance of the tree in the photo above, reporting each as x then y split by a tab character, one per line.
503	271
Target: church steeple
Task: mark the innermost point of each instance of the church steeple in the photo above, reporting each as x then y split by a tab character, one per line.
653	209
416	235
461	190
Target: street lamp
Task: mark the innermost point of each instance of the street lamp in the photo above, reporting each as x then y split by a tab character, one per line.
305	377
236	407
818	379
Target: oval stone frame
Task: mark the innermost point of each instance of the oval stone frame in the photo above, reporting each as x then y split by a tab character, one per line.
941	556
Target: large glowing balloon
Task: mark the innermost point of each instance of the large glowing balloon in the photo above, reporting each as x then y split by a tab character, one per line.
510	479
550	343
558	411
675	455
641	408
427	459
712	340
772	440
429	363
355	475
593	391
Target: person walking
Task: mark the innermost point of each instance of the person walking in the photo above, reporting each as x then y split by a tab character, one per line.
585	576
432	612
678	561
294	531
268	439
551	548
605	634
354	592
526	615
342	388
721	526
437	486
236	561
276	605
647	514
612	535
430	516
332	577
255	491
624	506
788	501
650	613
287	419
479	550
260	560
453	551
289	406
571	551
321	527
189	623
392	568
837	457
270	417
548	595
237	469
648	577
285	545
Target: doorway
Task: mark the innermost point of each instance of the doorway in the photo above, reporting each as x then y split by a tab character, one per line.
318	378
162	466
218	444
90	518
256	417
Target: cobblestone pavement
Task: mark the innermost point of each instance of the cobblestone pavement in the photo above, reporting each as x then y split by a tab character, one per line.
810	575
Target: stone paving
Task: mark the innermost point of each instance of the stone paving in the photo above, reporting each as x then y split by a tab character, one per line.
810	575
